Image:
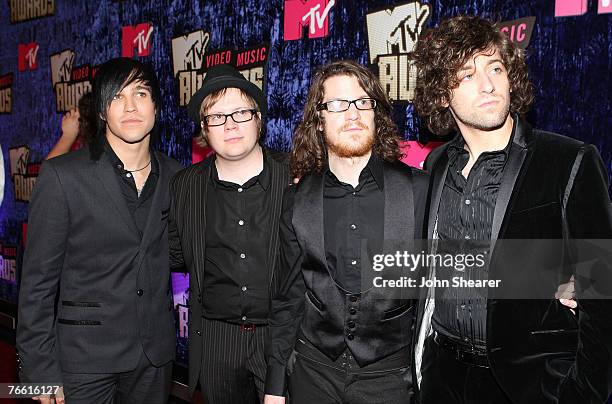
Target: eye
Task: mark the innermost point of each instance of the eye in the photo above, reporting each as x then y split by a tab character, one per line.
117	97
242	113
142	94
467	77
497	70
215	117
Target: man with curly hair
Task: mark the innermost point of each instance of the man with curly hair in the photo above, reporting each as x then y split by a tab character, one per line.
499	178
333	337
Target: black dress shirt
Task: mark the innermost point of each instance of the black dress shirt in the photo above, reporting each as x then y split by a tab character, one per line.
139	206
465	218
350	215
237	237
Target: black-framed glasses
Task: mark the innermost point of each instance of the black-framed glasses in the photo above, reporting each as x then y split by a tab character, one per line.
242	115
362	104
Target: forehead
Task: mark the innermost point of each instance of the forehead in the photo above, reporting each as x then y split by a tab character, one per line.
484	57
342	86
230	97
135	85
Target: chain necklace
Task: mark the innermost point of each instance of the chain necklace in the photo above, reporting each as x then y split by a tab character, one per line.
140	169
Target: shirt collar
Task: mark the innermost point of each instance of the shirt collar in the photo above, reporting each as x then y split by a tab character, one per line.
373	168
263	178
118	165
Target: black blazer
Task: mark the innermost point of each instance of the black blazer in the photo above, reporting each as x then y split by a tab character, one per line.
112	286
188	238
553	188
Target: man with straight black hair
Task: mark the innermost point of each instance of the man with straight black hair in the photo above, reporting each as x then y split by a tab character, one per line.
95	308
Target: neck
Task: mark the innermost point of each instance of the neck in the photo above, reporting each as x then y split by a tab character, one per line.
479	141
240	171
347	169
132	155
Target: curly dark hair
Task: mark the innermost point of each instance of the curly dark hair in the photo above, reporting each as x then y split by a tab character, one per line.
442	52
309	151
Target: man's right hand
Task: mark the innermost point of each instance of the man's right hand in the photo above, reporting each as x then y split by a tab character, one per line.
270	399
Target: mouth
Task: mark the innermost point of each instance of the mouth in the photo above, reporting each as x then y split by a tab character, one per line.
353	129
488	103
131	121
234	139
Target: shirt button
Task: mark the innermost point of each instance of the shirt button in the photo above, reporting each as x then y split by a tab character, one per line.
353	227
463	307
244	288
467	201
119	166
199	332
354	193
352	311
353	262
350	337
243	255
351	324
243	318
467	237
353	298
128	175
240	189
140	292
241	222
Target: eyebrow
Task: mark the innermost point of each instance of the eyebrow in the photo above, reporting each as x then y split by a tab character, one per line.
467	67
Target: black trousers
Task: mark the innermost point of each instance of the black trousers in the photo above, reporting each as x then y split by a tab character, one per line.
445	379
314	378
145	384
233	363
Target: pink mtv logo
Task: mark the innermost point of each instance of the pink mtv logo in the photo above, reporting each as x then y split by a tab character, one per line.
138	37
307	13
199	153
568	8
416	153
27	56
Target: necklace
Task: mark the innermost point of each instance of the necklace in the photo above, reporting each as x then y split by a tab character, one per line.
140	169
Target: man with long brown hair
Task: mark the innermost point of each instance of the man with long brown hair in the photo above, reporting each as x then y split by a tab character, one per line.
334	337
501	179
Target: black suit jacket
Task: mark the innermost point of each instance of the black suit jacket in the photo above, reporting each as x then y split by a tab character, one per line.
553	188
85	250
188	239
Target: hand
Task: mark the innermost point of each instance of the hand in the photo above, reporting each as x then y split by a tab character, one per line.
58	399
70	124
270	399
567	294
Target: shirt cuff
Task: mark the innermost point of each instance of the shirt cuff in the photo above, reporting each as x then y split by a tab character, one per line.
275	380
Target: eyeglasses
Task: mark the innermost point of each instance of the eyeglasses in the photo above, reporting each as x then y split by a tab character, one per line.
362	104
242	115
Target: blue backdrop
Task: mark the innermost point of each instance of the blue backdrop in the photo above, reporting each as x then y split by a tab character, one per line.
569	57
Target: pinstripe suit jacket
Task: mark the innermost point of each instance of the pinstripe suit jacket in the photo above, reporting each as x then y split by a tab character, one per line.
187	238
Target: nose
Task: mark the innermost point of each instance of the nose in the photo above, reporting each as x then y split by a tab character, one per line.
486	84
352	113
130	104
229	123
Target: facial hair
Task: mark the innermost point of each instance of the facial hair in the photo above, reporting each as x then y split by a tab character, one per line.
347	149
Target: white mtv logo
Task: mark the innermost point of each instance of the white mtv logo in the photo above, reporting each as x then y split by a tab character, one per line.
399	27
31	56
188	51
316	18
61	66
19	158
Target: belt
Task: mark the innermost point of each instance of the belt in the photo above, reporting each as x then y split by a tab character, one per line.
248	327
463	353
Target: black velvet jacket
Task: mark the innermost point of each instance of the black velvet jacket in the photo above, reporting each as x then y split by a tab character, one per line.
553	188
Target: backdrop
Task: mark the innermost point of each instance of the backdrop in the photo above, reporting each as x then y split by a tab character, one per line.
49	51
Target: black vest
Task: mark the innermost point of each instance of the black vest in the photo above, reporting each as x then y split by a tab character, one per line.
373	323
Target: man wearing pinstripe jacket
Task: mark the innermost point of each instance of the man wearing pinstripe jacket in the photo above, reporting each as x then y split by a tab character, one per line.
223	228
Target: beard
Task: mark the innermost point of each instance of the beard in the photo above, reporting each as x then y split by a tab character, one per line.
484	122
342	146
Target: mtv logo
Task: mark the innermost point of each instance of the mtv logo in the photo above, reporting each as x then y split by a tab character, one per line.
568	8
19	157
27	56
137	37
61	66
188	51
397	30
311	13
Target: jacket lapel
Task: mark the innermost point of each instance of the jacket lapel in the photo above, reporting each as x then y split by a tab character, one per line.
108	177
279	177
438	175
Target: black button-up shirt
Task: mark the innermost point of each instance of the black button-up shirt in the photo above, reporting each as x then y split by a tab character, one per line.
139	206
237	237
465	218
350	215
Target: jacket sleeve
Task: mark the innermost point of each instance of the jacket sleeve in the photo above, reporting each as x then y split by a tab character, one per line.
589	223
48	229
286	308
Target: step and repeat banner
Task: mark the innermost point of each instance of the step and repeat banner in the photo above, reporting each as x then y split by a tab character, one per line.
50	50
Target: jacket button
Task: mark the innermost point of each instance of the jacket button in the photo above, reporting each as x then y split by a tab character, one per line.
350	336
352	311
140	292
351	324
